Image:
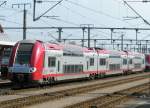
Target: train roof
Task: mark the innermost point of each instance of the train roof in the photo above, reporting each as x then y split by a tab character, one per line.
76	49
6	43
105	51
135	53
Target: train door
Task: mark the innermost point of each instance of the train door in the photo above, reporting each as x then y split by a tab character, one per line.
87	65
50	65
59	65
102	65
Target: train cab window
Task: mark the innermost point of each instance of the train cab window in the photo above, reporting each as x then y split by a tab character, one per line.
91	61
24	54
102	61
51	61
124	61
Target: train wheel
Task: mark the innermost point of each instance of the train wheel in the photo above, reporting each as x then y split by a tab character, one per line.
52	81
92	76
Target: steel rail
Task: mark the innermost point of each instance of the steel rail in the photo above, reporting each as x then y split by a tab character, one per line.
51	96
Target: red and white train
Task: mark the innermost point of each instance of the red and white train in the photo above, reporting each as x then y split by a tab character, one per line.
5	50
36	61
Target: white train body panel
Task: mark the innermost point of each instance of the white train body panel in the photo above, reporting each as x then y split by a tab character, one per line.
115	64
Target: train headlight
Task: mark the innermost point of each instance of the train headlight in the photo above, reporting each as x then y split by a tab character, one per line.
32	69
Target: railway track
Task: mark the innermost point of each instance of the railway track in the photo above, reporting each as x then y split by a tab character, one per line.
8	89
50	96
111	100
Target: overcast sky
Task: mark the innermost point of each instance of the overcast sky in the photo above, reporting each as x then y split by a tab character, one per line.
99	13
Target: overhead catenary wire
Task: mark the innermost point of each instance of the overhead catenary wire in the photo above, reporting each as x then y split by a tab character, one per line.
64	21
49	24
36	18
61	21
79	14
136	12
3	2
98	12
93	10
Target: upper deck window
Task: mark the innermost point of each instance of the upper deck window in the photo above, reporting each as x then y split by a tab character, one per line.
91	61
102	61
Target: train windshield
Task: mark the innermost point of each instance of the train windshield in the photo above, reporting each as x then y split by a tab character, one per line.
24	53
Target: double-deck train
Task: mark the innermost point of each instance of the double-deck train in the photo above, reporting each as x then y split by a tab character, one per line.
42	62
5	50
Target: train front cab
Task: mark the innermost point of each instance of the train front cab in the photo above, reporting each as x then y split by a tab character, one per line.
26	62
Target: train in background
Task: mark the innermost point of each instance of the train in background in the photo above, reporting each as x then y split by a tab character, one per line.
5	51
4	61
34	61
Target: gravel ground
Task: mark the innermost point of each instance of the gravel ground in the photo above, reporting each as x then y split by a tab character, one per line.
53	89
137	102
83	97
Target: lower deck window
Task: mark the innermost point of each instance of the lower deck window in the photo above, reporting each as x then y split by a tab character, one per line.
137	65
124	61
51	61
72	68
114	66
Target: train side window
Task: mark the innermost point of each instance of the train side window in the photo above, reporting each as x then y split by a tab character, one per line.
130	61
124	61
143	61
72	69
87	65
51	61
114	66
64	68
91	61
58	66
80	68
102	61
